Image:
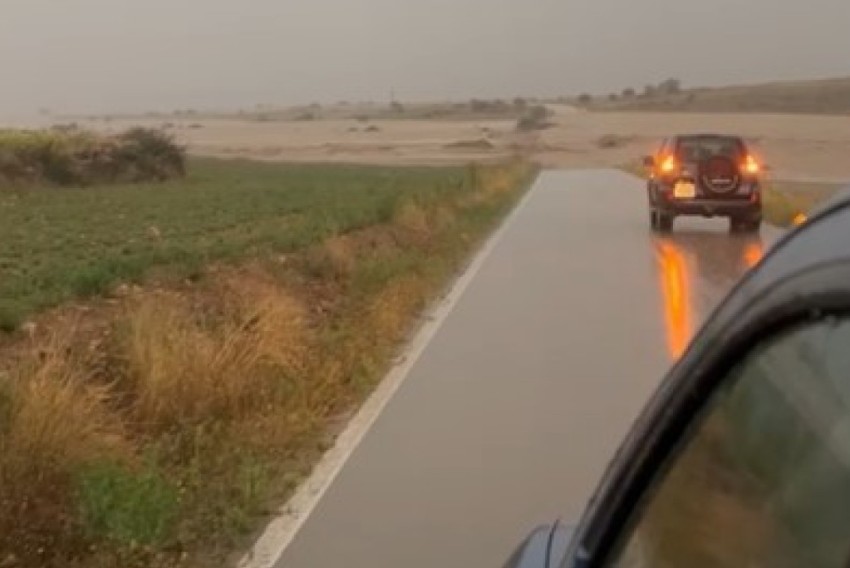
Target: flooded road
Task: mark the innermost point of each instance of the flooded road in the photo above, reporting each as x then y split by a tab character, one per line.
522	394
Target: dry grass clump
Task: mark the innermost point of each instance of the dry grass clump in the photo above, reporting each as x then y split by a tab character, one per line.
52	417
184	368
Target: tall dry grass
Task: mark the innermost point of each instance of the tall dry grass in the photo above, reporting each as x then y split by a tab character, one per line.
52	417
413	218
188	367
53	421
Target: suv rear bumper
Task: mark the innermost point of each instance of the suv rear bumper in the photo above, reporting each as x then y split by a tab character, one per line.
712	207
745	204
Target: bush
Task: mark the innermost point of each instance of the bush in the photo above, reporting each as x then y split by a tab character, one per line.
478	105
68	157
670	87
539	112
151	155
534	119
585	98
610	141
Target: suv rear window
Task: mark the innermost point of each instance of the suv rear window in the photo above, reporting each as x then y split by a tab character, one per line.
699	148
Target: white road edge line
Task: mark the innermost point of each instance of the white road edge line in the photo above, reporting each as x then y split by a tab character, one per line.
281	531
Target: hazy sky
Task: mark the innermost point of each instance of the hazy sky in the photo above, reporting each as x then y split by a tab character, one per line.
110	55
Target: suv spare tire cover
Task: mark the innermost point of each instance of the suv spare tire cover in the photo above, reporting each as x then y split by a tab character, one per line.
720	175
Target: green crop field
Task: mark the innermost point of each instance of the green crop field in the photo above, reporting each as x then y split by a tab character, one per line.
58	244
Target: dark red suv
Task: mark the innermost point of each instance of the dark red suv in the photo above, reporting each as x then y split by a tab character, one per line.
704	174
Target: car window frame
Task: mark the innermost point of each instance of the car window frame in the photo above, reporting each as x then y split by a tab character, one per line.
725	340
788	334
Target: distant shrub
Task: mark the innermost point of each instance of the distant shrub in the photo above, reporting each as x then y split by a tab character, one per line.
628	93
477	105
669	87
150	155
585	98
69	156
539	112
534	119
497	105
397	107
305	117
66	128
610	141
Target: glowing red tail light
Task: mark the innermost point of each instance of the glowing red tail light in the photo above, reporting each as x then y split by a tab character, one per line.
751	166
668	165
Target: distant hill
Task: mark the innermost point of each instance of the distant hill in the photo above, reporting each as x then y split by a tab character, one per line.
826	96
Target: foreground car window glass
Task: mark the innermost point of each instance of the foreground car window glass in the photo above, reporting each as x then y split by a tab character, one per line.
764	478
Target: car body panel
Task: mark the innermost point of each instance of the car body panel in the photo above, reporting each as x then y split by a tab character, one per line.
545	547
709	207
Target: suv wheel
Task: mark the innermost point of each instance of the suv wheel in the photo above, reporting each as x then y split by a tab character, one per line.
663	222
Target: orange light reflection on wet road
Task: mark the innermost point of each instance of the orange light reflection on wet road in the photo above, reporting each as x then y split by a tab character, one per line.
675	288
753	253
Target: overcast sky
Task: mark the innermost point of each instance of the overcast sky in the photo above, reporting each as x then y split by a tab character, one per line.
134	55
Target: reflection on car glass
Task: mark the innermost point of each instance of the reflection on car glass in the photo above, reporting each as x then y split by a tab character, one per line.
764	479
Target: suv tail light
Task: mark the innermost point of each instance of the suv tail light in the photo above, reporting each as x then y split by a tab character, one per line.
668	165
751	166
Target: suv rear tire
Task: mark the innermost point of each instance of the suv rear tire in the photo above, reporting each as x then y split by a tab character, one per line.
660	222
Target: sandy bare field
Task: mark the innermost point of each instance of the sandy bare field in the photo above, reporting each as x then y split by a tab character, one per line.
795	146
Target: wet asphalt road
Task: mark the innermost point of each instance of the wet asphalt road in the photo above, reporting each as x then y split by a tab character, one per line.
510	415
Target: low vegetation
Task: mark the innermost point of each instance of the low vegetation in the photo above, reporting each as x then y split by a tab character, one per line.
534	118
611	141
67	156
156	426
